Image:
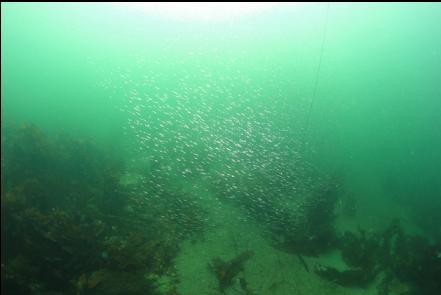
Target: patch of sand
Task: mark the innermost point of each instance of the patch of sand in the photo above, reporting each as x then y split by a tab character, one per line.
269	271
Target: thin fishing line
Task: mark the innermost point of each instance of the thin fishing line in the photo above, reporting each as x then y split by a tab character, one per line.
317	75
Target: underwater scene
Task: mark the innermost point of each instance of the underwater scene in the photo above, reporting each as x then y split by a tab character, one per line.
221	148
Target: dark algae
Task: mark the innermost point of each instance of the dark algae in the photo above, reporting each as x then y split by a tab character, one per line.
208	148
389	253
226	272
65	231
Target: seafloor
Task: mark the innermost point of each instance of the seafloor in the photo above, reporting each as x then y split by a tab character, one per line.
77	219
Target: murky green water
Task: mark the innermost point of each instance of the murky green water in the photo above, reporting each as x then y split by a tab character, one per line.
229	149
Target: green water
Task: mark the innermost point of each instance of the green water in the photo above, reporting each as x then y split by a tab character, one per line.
251	112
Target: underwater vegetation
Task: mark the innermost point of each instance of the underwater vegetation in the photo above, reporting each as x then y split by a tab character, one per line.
71	226
302	221
220	148
64	229
405	264
309	229
305	226
411	261
227	271
296	213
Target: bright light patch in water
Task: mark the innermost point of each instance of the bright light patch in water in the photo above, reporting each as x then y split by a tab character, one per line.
202	11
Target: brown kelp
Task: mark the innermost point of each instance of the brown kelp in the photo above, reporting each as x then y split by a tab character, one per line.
410	262
227	271
65	224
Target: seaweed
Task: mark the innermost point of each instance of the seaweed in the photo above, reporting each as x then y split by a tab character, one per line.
227	271
244	286
115	283
308	229
411	263
63	227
